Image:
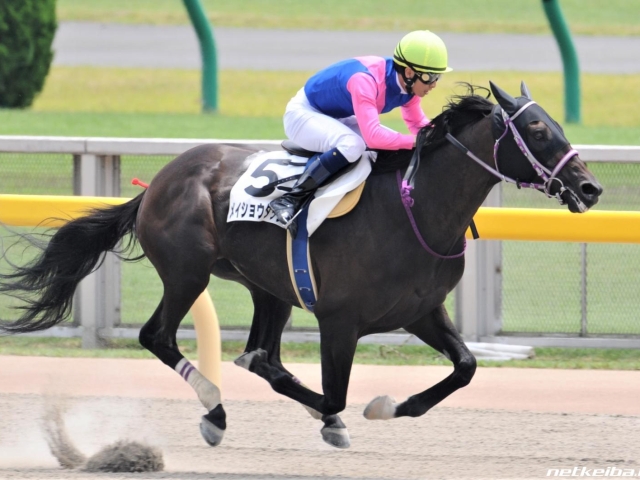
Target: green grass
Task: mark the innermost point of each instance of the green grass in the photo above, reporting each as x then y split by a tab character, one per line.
615	17
611	359
173	125
127	90
138	125
118	102
549	300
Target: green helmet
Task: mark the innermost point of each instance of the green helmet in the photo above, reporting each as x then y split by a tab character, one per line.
422	51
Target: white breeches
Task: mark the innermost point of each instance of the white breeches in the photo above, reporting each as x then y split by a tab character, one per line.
318	132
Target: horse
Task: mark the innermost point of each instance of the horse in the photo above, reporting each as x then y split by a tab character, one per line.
388	264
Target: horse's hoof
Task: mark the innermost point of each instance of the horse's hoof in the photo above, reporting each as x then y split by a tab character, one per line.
211	434
336	437
381	408
246	358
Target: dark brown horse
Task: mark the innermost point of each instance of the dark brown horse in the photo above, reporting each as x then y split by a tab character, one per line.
375	271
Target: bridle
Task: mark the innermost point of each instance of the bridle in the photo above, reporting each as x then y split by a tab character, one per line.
548	176
406	184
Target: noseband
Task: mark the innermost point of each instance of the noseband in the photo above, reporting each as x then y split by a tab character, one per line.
548	176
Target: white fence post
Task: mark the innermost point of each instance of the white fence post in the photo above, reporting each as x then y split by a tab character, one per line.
97	298
112	264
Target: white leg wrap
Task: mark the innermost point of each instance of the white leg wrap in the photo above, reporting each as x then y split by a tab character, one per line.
314	413
208	393
245	359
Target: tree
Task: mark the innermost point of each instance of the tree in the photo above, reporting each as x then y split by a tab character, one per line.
27	28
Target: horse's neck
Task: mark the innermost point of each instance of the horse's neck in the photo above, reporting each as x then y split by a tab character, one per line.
450	187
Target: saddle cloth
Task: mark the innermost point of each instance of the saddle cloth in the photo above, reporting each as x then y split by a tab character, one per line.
249	202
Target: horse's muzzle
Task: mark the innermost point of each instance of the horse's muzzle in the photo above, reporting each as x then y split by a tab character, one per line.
582	188
582	198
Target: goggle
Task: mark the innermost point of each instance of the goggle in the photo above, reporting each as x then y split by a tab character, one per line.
428	78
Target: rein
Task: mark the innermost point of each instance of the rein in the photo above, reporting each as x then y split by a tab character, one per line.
405	185
407	201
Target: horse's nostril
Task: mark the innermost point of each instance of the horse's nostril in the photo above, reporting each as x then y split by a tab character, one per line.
591	190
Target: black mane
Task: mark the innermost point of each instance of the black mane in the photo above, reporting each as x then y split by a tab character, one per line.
460	111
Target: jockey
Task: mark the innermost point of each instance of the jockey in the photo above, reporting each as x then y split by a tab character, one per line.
336	112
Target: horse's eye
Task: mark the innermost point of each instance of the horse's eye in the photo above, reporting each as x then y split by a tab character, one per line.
539	135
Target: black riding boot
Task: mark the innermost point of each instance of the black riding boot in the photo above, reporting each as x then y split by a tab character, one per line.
319	169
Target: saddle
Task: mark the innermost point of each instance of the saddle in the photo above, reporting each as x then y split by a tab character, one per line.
294	149
349	201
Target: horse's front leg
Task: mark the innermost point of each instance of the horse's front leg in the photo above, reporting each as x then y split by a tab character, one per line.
270	316
337	349
437	331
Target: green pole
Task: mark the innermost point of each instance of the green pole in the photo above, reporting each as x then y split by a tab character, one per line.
208	51
569	60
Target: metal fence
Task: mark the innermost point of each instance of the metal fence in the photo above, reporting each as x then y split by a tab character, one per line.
543	288
570	288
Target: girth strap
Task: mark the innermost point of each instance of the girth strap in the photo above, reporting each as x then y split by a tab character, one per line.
301	271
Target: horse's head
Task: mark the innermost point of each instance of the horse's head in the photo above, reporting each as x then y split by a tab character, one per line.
532	149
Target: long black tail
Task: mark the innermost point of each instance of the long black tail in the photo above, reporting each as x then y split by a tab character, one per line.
47	283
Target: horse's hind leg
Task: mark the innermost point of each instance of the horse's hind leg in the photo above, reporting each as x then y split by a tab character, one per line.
185	273
163	344
269	319
437	331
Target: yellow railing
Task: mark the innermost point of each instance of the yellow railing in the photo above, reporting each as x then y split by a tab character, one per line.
492	223
558	225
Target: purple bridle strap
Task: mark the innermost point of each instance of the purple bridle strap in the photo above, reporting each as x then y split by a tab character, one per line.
407	201
563	161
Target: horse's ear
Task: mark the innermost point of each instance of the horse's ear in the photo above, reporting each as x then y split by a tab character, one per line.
506	101
524	90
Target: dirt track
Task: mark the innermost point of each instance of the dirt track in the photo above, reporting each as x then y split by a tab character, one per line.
508	424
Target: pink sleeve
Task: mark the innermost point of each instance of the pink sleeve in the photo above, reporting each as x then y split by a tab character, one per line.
413	115
363	91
